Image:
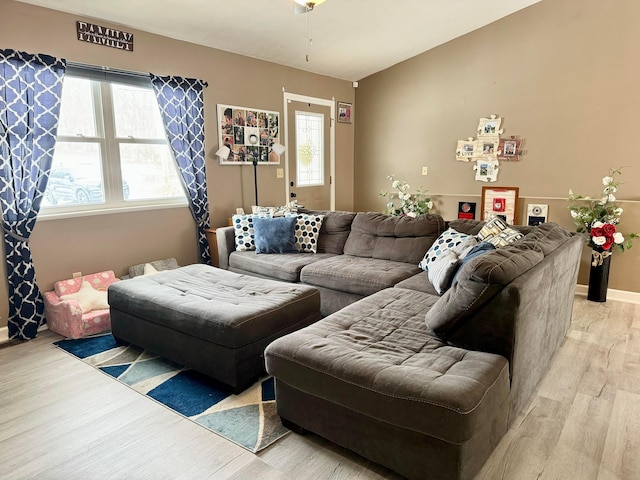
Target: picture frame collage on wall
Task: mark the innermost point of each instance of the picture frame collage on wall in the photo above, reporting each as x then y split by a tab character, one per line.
249	133
487	149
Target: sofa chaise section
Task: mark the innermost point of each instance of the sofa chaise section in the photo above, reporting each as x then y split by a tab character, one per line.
373	379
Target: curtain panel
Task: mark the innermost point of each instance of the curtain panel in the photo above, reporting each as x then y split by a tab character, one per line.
182	108
30	94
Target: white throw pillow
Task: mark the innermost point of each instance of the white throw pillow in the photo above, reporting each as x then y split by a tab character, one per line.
442	270
448	239
149	269
88	298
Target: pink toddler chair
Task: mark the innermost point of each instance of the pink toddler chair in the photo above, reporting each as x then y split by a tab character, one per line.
66	318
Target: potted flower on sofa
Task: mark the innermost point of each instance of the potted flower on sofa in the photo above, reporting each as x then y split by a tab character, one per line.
597	218
410	204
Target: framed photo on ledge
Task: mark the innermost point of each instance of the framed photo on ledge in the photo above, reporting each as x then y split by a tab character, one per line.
500	202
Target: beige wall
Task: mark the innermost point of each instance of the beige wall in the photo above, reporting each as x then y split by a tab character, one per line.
117	241
563	74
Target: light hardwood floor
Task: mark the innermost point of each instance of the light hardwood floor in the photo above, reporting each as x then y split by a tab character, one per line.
62	419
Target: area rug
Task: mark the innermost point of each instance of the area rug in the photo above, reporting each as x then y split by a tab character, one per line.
248	419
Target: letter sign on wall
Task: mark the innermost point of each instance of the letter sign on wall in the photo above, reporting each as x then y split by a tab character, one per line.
109	37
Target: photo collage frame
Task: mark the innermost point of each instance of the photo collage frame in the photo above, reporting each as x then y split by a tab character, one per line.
487	149
249	133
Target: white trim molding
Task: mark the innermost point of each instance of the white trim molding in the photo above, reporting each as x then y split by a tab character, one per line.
4	334
617	295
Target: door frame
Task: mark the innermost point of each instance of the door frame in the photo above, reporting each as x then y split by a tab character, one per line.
331	103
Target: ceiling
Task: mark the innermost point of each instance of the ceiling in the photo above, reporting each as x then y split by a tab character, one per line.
352	39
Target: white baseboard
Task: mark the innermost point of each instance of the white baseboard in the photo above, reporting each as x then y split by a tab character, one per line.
4	332
617	295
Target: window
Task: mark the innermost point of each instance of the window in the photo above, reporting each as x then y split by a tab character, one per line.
111	150
310	151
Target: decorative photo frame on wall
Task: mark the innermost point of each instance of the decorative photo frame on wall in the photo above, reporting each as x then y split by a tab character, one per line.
466	150
344	112
509	149
487	147
487	170
489	127
500	202
249	133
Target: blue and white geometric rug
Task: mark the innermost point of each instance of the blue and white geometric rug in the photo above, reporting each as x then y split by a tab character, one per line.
248	419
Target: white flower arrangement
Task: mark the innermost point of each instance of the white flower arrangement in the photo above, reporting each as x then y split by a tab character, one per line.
411	204
597	219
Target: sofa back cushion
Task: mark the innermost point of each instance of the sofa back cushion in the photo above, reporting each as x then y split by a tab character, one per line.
400	239
484	277
334	232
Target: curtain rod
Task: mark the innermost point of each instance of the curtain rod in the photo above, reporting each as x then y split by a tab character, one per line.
103	69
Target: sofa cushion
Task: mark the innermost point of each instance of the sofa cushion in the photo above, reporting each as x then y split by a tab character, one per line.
419	282
281	266
336	226
159	265
483	277
275	235
400	239
351	274
377	357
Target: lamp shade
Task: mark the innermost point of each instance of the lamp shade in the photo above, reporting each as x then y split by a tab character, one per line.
223	152
278	148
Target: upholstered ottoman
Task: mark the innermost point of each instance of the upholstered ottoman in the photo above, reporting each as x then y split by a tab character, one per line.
211	320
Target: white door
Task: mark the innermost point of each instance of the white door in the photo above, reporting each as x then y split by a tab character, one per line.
309	157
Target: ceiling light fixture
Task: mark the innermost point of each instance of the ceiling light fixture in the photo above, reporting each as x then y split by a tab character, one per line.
306	6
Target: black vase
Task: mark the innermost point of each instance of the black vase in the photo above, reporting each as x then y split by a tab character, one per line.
599	280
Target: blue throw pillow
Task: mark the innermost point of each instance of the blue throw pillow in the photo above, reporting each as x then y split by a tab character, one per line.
480	249
275	235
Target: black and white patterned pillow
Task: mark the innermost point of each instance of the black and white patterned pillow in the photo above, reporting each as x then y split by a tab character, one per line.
243	231
307	232
448	239
497	232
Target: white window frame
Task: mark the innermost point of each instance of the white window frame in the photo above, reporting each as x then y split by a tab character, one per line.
109	144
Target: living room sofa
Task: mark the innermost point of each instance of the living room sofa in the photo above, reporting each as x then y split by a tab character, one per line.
426	383
357	254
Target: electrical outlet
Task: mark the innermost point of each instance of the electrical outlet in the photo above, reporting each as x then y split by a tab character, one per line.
280	173
76	274
425	170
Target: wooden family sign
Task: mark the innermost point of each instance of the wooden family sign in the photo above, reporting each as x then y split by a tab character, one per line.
109	37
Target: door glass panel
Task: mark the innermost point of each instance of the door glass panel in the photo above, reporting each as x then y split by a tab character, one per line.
76	175
148	172
310	149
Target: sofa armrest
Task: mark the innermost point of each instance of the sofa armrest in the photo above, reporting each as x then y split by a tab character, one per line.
226	241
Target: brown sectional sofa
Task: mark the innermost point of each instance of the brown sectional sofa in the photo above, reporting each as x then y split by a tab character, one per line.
422	383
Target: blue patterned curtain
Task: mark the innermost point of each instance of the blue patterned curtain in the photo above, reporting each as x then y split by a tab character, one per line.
182	108
30	92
